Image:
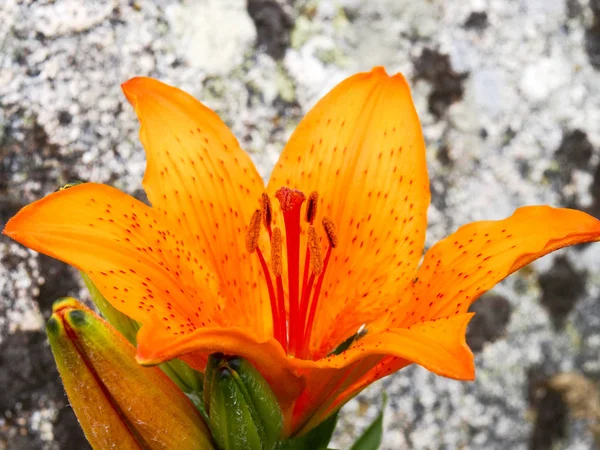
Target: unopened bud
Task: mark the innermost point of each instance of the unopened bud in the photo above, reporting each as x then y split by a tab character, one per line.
243	410
119	403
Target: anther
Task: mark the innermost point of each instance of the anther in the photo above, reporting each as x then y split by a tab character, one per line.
330	231
276	252
311	207
253	232
267	211
316	258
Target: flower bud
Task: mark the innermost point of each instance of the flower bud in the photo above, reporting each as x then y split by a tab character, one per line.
119	403
243	410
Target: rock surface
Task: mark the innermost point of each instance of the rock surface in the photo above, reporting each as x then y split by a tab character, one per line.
509	96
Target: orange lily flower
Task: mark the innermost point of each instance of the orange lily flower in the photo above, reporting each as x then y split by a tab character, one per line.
220	263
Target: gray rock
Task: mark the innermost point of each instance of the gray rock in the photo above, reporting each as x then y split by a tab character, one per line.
530	80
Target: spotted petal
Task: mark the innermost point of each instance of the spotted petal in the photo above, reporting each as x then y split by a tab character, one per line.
458	269
134	257
201	181
362	150
307	390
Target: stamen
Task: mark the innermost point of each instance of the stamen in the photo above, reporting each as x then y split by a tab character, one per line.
267	212
311	212
315	251
278	331
276	252
330	231
291	203
252	245
314	258
253	232
311	207
292	325
277	264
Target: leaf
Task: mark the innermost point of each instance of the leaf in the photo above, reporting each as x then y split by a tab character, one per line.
316	439
371	438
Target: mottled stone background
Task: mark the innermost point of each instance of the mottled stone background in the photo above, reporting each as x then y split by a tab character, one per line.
509	95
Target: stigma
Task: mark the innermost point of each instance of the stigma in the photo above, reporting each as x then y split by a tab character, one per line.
293	330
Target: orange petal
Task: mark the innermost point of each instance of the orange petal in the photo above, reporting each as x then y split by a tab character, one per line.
437	345
361	148
323	386
198	178
194	348
307	390
461	267
386	366
131	254
288	377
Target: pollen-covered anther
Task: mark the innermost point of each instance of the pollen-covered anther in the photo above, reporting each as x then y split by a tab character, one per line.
316	258
311	207
330	231
267	210
289	199
253	231
276	252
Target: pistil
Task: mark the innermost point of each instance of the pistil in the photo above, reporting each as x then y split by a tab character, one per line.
291	204
332	237
267	213
314	249
277	266
252	245
311	212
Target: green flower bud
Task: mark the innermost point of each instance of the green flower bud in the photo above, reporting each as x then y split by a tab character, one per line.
243	410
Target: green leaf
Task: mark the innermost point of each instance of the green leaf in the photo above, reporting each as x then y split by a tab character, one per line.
371	438
348	342
316	439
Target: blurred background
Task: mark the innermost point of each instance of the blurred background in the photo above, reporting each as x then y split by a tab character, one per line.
508	92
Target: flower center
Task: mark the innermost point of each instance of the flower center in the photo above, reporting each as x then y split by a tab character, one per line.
293	332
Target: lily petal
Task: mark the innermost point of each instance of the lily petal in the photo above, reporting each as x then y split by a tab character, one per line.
266	355
199	178
461	267
437	345
308	390
128	250
361	148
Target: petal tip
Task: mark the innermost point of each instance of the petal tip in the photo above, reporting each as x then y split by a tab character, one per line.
136	87
144	360
465	370
144	356
379	70
11	229
132	83
130	87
